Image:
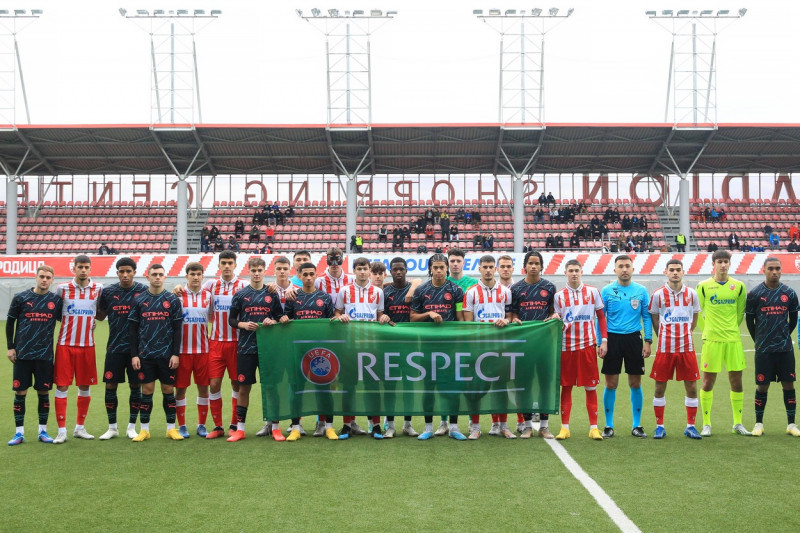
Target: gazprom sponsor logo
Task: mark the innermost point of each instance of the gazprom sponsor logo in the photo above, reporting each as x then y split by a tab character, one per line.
569	318
221	307
193	319
484	315
354	315
72	310
721	301
672	319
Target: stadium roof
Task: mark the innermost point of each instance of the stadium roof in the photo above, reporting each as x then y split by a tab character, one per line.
215	149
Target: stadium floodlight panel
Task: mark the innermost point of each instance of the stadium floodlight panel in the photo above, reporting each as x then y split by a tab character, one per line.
37	12
142	12
536	11
158	12
123	11
358	13
667	12
315	12
375	13
494	12
511	12
705	12
19	12
553	11
650	13
199	12
742	11
333	12
216	12
683	12
477	12
723	12
391	13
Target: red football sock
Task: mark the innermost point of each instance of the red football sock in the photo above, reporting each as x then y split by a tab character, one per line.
61	411
216	411
495	419
234	400
659	409
566	404
691	414
180	412
83	409
503	418
348	419
475	419
591	406
520	418
202	410
376	420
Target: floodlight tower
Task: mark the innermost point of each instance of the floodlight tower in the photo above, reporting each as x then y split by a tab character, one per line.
175	88
692	81
12	21
347	51
522	60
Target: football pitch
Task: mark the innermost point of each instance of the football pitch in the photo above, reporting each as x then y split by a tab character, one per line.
722	483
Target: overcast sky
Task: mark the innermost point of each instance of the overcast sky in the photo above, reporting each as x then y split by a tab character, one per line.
259	63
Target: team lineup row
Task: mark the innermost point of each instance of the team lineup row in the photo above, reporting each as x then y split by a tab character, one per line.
155	334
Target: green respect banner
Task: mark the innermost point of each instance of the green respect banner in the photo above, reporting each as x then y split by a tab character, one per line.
312	367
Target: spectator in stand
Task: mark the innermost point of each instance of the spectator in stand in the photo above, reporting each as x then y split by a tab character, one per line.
383	234
429	216
274	208
266	249
608	215
626	223
643	222
467	217
793	247
722	215
620	242
648	239
422	249
714	215
419	225
454	233
574	241
733	241
477	241
233	244
680	242
104	250
270	235
553	215
488	242
460	214
550	241
551	199
397	240
272	218
255	234
543	200
616	215
538	216
406	232
794	232
214	233
746	247
219	244
205	246
289	212
476	220
603	230
559	241
238	228
205	233
707	214
359	244
582	207
712	247
774	241
594	225
580	231
352	246
444	226
767	231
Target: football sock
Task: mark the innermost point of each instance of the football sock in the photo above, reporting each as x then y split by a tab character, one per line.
566	404
637	401
215	405
234	400
19	410
495	418
407	419
180	411
202	410
44	409
658	406
706	401
525	417
168	403
241	417
84	398
146	425
42	427
528	424
737	400
428	420
521	418
502	418
476	419
111	405
295	422
790	402
591	405
454	420
691	410
609	401
761	404
390	424
429	427
61	409
145	408
376	420
544	423
134	403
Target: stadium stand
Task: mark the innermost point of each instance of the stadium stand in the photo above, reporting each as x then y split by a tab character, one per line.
747	218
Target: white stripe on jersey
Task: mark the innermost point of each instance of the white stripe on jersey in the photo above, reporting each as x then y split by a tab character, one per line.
487	304
676	312
80	310
360	303
577	308
282	293
196	311
331	285
221	295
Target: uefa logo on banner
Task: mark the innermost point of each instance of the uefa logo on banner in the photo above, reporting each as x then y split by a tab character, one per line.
320	366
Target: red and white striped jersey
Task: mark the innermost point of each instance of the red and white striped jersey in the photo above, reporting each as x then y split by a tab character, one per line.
676	312
221	295
487	304
332	285
360	303
80	310
577	308
196	312
282	293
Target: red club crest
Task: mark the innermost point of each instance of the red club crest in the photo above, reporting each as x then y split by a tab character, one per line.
448	296
51	305
784	298
109	374
167	305
543	293
320	303
141	376
16	383
268	299
241	378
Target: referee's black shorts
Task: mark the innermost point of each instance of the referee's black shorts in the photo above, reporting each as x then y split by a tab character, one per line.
625	347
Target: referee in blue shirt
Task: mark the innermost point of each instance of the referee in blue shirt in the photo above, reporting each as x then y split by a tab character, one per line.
626	307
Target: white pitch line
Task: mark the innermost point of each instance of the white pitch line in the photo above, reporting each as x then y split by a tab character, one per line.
613	511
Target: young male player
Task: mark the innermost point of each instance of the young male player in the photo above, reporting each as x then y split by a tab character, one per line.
626	308
397	307
300	258
578	305
155	325
32	315
196	306
311	303
532	300
438	300
377	274
115	303
722	301
251	307
488	301
674	309
361	301
771	316
505	270
75	356
334	278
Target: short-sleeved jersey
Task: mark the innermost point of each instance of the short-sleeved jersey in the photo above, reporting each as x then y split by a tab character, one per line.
282	294
578	309
532	301
116	302
487	304
315	305
626	308
395	304
79	313
332	285
296	281
221	295
158	316
440	300
771	308
253	305
722	305
360	303
676	311
196	308
36	316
